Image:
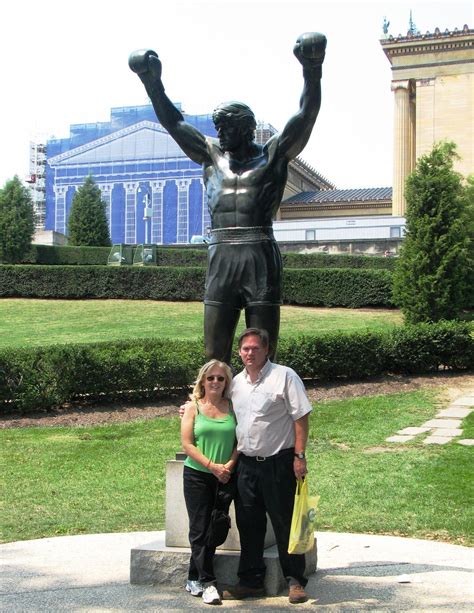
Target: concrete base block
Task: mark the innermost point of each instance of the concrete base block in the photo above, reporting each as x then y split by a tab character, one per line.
155	563
176	517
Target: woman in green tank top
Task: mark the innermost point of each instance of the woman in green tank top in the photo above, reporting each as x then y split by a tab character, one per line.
208	439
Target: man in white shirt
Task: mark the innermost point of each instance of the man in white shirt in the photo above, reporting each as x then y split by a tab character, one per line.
272	412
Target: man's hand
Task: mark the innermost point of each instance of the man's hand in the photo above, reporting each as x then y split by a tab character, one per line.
181	411
145	62
299	468
310	49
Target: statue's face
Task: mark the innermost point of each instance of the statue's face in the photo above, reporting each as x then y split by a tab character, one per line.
229	134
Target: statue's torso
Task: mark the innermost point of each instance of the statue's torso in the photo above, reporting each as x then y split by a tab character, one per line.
244	194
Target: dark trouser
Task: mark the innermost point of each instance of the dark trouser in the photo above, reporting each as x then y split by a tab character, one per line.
199	495
266	487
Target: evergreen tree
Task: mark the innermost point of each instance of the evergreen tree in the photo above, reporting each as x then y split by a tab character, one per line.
431	281
87	225
16	221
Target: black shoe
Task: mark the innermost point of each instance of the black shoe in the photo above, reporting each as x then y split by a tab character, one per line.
239	592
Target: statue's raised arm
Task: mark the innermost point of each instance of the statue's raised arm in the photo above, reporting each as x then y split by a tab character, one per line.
146	64
310	50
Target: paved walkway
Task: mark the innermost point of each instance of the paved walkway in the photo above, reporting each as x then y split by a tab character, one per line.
356	572
445	427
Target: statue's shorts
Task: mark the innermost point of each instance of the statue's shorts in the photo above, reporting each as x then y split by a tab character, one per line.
244	268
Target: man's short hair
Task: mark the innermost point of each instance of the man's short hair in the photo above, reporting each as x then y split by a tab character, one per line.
262	334
236	112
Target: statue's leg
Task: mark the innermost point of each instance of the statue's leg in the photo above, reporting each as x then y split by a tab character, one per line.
220	322
268	318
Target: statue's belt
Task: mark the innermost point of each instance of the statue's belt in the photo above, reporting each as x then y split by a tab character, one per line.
242	235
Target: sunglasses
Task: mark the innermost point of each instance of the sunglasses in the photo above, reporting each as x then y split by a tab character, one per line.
220	378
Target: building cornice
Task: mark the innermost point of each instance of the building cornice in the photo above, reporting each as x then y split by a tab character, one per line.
436	42
136	127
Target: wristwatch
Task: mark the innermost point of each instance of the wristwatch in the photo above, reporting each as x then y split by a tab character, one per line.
300	455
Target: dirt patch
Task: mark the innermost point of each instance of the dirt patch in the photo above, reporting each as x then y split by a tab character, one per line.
453	385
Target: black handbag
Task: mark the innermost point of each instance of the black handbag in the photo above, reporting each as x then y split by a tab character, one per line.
219	527
220	523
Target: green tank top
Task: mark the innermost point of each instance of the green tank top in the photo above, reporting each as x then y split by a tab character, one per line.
215	438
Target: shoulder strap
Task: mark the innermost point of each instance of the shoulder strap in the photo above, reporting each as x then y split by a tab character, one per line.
197	405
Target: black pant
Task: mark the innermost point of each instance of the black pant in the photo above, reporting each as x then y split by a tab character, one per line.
199	495
262	487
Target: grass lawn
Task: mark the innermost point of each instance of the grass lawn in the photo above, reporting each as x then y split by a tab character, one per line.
111	478
32	322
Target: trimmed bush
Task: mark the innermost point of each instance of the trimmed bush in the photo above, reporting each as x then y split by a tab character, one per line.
314	287
65	255
181	257
184	256
327	260
97	256
426	347
337	287
154	283
331	356
45	377
41	378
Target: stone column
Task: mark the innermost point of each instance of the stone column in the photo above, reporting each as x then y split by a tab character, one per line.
412	114
106	193
183	210
60	221
157	188
404	140
131	212
206	218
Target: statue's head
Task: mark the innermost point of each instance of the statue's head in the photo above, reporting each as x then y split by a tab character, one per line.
236	115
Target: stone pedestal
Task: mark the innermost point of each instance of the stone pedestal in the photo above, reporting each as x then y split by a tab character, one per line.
155	564
166	560
176	522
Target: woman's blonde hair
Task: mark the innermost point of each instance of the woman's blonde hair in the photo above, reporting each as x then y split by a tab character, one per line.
198	389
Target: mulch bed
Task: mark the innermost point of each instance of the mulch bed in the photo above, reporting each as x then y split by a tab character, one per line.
453	384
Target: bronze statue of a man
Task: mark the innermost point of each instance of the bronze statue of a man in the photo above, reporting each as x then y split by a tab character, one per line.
244	183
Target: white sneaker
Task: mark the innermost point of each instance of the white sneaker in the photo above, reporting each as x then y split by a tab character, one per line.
195	588
211	595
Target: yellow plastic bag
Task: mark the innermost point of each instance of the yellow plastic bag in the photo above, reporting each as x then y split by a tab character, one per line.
303	522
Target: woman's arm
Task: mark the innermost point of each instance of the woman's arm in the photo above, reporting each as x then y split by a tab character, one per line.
187	435
230	464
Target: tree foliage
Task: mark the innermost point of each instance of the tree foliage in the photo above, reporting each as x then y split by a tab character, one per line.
16	221
87	225
434	273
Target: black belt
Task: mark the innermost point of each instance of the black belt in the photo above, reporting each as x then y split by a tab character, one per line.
242	235
259	458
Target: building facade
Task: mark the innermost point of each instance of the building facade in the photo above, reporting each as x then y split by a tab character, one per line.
153	193
433	86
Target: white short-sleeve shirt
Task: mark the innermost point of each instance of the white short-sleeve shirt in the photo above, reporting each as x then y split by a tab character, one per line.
267	409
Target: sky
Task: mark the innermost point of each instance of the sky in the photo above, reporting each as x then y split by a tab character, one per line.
66	63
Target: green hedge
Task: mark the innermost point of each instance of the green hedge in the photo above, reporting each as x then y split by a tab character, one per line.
414	349
326	260
317	287
45	377
346	287
137	282
63	255
185	256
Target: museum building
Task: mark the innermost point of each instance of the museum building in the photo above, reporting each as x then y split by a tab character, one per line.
152	191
